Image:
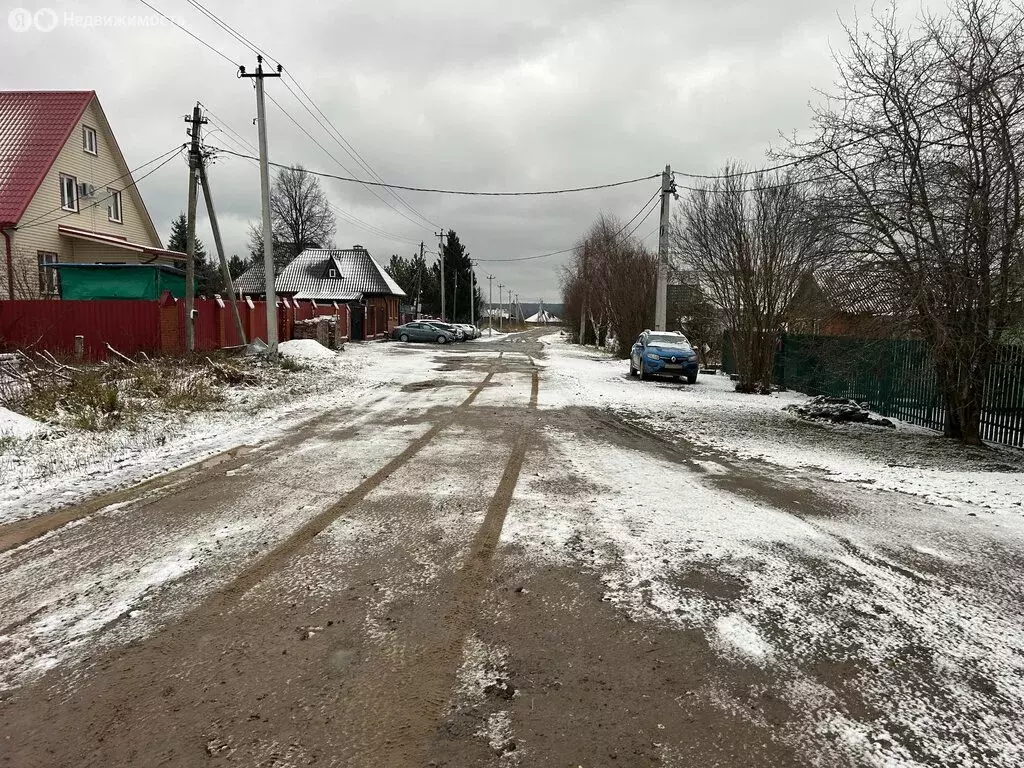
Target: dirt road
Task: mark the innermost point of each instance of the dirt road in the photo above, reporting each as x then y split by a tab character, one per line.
456	573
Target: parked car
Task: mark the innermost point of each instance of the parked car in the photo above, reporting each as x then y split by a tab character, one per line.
421	331
663	353
471	331
458	333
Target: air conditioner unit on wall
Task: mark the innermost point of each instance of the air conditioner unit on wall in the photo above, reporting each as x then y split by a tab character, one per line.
86	190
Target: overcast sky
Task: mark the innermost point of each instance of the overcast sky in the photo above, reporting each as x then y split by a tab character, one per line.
465	94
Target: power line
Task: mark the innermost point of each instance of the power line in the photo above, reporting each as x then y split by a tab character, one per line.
851	142
349	217
573	248
189	33
467	193
343	166
330	128
134	183
105	184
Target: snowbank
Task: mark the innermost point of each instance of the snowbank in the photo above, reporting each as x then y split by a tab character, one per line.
15	425
305	349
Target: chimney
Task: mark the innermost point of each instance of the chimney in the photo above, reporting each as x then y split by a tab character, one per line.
358	248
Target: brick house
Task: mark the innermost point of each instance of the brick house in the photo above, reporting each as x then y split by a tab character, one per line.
66	193
350	278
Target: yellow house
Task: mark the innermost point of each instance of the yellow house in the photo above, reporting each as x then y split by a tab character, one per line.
66	193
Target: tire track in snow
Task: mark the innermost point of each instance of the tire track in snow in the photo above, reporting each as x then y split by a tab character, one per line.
401	697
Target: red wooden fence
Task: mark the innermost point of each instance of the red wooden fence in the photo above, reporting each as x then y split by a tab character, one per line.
153	327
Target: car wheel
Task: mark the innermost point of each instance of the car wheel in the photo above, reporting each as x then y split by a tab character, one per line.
643	371
632	368
404	337
691	379
441	340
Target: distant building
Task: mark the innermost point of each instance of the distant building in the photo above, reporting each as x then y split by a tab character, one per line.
344	276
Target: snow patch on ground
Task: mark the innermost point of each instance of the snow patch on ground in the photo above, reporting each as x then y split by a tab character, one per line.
17	426
306	350
909	460
939	663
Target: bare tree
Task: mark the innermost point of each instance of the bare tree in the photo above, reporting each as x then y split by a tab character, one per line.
923	148
749	248
300	214
615	278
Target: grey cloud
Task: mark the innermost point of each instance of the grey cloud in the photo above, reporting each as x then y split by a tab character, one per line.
457	93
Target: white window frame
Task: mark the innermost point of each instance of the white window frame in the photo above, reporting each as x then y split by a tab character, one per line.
87	134
66	203
114	206
48	278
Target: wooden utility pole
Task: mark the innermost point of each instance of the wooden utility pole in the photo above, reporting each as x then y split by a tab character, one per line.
661	303
197	120
229	283
268	235
440	255
490	304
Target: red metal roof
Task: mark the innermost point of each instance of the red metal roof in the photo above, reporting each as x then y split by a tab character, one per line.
34	126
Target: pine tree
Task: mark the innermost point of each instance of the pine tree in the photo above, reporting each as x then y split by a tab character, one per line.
237	265
208	278
458	271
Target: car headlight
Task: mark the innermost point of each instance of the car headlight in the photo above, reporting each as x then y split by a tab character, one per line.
653	356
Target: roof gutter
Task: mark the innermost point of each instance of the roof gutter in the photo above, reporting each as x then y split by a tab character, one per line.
9	259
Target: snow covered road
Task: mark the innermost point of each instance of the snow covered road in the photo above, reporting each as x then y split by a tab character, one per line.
511	553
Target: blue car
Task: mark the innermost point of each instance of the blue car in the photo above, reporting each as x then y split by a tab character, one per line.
662	353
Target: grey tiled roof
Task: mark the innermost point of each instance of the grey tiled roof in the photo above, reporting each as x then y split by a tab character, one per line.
861	291
308	276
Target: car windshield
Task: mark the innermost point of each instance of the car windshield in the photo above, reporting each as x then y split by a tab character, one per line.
667	341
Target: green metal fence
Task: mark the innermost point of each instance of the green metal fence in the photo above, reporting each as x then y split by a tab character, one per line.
896	377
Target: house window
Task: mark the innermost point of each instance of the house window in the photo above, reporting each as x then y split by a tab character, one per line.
68	192
89	140
332	273
114	206
47	275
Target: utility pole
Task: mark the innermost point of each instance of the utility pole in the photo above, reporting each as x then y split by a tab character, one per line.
490	304
668	188
197	120
440	255
501	311
472	293
583	303
455	299
229	284
419	285
268	235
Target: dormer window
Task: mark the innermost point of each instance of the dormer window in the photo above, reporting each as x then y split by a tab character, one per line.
333	273
89	143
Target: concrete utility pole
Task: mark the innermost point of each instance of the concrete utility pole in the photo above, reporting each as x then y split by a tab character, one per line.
229	283
472	293
668	188
501	311
268	235
194	159
583	303
419	285
455	299
440	255
490	305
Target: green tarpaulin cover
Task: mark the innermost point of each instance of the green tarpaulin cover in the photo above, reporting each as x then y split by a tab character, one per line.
119	281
